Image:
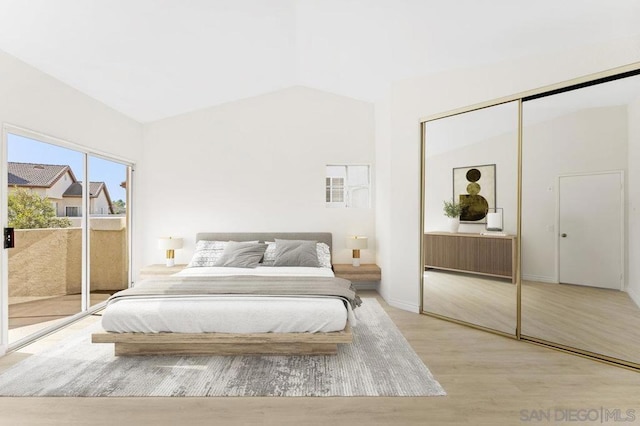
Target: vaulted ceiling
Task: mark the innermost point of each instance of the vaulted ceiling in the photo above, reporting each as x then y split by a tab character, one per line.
151	59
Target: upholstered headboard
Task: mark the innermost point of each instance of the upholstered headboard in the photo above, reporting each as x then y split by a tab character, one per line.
321	237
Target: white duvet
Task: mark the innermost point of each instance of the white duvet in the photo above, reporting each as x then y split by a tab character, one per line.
231	313
262	271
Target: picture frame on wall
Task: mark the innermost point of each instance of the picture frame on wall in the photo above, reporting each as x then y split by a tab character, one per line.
474	187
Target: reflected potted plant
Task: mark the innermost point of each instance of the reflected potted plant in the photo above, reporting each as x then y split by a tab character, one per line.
452	210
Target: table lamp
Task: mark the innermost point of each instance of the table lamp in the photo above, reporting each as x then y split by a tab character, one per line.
170	244
356	244
494	219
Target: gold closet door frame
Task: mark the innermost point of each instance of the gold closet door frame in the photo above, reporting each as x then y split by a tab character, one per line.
565	86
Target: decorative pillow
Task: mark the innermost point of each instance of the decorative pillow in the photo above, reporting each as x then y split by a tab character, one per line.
324	254
207	253
296	253
242	254
270	254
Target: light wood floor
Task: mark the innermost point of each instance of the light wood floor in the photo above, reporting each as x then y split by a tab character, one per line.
489	380
486	301
30	315
597	320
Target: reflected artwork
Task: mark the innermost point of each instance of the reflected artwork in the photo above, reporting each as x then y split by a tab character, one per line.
475	189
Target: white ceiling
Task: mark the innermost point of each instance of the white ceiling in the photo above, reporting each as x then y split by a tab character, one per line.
152	59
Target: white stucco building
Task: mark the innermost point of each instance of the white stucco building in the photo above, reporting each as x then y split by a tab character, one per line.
60	186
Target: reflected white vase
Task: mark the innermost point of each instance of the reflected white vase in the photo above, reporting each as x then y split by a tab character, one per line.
454	224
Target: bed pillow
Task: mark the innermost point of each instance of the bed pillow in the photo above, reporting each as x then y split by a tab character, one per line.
296	253
207	253
269	254
242	254
324	254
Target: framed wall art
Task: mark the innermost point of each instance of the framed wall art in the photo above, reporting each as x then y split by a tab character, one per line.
474	187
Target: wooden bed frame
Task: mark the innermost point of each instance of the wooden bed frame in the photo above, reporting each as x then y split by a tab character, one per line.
229	343
225	343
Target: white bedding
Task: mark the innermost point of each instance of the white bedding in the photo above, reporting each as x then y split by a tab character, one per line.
262	271
231	314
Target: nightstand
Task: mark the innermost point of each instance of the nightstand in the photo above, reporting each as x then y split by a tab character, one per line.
367	272
159	270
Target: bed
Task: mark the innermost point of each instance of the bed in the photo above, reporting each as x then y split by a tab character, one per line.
228	310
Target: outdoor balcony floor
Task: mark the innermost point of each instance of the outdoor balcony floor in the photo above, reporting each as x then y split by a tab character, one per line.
30	315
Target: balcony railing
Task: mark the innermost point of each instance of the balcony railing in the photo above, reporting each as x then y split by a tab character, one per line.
48	262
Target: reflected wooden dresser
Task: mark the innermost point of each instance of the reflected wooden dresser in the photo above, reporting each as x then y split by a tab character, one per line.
492	255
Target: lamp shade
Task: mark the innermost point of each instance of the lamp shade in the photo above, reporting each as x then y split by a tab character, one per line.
357	243
494	219
168	243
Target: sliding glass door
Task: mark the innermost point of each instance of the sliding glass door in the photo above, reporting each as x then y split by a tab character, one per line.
66	214
108	236
45	264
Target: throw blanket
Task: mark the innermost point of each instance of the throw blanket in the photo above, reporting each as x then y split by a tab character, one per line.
268	286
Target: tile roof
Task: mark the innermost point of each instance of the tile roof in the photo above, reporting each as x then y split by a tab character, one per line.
38	175
75	189
45	175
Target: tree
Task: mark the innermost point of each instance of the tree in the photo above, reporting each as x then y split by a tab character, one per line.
28	210
119	207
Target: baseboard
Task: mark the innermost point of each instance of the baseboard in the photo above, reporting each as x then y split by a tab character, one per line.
384	292
635	296
3	350
386	295
539	278
404	306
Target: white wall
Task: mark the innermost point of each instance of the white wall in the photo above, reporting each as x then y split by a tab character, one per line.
633	180
61	185
501	150
412	99
100	204
589	140
35	101
383	191
254	165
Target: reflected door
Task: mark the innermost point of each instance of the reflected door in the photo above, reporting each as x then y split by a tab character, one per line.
591	227
589	136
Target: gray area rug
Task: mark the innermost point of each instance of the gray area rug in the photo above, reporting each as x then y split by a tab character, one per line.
379	362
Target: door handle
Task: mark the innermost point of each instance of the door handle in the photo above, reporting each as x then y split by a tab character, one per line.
563	235
8	238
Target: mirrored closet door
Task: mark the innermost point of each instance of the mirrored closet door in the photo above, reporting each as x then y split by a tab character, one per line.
580	218
471	161
545	184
